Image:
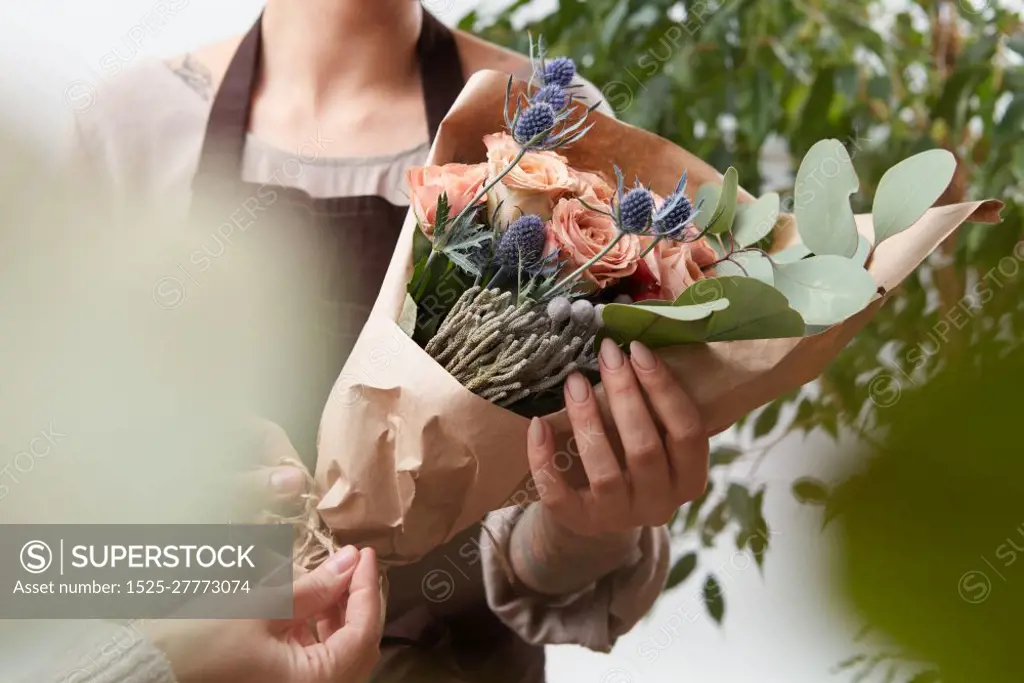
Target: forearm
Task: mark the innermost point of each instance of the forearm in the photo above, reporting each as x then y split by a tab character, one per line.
549	559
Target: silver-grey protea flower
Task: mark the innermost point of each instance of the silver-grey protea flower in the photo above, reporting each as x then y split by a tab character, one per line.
559	309
559	71
582	312
523	243
534	124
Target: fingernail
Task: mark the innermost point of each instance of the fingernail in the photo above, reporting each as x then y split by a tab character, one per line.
343	560
578	386
536	432
287	480
611	355
642	356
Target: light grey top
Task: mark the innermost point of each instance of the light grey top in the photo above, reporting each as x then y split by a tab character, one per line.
146	131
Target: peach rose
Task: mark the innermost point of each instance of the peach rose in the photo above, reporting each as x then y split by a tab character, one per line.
533	186
592	188
677	265
579	233
461	182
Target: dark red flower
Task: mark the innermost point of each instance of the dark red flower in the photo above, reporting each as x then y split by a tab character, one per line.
642	284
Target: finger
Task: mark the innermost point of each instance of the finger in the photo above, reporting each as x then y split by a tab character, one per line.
360	633
607	485
326	585
646	459
364	602
552	488
686	435
278	487
272	443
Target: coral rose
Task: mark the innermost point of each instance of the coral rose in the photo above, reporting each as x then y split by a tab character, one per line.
677	265
461	182
579	233
592	188
532	187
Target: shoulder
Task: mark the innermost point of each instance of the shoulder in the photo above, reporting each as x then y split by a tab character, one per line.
479	55
143	127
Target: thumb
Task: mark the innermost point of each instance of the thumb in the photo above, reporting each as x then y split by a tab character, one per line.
326	585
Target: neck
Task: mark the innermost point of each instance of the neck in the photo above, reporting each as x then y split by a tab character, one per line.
319	46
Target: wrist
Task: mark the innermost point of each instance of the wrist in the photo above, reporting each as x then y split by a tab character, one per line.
551	559
568	536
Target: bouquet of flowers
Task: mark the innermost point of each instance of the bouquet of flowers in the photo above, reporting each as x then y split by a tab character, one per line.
541	226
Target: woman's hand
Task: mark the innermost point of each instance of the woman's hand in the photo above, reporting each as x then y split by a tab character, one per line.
340	599
660	468
273	486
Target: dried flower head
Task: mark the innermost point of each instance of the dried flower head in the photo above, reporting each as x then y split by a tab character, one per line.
559	71
675	214
554	95
523	243
635	210
582	313
559	309
536	121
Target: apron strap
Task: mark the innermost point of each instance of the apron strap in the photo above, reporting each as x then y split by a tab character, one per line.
228	124
440	70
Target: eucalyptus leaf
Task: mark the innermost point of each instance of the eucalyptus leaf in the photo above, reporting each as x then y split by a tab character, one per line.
748	264
656	324
707	195
908	189
756	311
824	183
725	208
825	289
718	246
793	252
755	220
863	251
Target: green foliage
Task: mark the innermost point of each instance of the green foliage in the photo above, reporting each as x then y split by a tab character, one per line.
825	290
907	190
728	80
822	208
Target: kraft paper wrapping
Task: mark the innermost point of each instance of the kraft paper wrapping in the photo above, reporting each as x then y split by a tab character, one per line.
408	457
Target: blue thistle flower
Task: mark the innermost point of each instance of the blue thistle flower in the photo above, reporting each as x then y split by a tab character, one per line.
522	243
554	95
672	217
559	71
635	210
535	120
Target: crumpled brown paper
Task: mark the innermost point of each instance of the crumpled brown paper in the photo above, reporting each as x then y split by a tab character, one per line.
408	457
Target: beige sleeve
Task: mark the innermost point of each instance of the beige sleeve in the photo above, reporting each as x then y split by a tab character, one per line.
111	652
593	617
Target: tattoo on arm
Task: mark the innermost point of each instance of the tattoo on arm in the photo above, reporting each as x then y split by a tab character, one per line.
196	76
552	560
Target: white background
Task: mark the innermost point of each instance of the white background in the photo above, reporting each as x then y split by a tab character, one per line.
784	627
